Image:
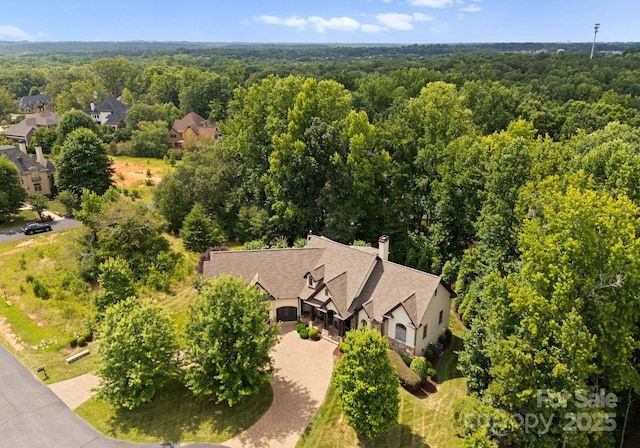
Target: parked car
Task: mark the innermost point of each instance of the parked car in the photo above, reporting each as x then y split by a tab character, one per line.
36	227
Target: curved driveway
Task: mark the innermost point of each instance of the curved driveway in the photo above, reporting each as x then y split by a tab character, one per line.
31	415
56	224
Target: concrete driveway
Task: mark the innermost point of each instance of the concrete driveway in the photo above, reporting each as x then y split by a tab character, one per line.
303	375
58	223
31	415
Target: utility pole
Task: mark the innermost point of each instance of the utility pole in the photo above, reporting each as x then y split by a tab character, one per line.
595	33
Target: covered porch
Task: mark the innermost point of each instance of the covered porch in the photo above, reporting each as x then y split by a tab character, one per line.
329	323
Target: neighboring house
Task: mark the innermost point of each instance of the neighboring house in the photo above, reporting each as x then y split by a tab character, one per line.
35	171
110	112
22	132
193	124
34	103
341	287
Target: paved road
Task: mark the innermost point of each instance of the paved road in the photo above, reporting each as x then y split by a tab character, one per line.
17	234
32	416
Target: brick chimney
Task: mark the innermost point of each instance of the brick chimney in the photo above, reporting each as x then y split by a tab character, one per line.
383	247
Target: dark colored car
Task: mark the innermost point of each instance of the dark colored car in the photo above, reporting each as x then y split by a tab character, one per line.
36	227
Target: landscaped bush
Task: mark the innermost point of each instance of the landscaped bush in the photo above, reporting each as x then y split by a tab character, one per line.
448	336
73	343
341	347
82	341
29	278
432	373
304	333
429	354
300	326
88	337
420	366
408	377
313	333
407	359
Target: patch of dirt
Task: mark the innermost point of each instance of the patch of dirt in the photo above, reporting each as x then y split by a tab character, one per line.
40	322
131	174
8	335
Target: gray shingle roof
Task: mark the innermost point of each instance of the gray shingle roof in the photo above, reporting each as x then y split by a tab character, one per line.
23	161
34	101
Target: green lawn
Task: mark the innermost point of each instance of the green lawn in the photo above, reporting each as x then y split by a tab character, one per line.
423	422
176	416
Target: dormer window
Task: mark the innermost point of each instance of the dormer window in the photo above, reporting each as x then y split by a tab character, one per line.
310	281
35	175
326	292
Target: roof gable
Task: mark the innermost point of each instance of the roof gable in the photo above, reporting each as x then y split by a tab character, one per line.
22	160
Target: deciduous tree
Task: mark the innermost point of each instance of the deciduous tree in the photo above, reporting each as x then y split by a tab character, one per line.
229	340
367	383
12	193
137	352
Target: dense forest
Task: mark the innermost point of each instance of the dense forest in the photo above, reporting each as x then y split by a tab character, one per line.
514	175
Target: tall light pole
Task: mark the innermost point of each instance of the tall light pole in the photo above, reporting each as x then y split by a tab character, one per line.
595	33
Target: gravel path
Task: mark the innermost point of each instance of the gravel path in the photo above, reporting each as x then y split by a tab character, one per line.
303	374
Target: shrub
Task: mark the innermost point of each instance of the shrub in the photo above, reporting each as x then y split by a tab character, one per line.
73	343
407	359
429	354
432	373
313	333
88	337
442	339
420	366
148	182
300	326
304	333
40	290
23	263
448	336
341	347
408	378
29	278
82	341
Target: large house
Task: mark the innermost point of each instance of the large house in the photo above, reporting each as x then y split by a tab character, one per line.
340	287
34	103
110	112
194	125
23	132
35	172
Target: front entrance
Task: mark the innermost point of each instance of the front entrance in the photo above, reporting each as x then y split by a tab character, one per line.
287	313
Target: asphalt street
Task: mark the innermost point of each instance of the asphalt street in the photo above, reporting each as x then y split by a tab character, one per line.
31	415
17	234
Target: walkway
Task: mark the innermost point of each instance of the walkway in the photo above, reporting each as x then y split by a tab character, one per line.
303	375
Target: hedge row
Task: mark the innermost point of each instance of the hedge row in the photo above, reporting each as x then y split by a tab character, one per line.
408	378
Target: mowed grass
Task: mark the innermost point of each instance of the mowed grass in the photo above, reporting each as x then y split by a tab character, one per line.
423	421
175	415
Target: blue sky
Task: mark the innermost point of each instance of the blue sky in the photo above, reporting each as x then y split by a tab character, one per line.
333	21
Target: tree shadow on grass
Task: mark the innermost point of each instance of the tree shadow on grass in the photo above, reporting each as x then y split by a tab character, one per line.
447	365
401	436
176	415
291	411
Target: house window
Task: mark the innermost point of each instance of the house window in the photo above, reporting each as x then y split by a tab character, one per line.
310	282
172	135
37	187
424	331
326	292
440	317
401	333
363	323
35	175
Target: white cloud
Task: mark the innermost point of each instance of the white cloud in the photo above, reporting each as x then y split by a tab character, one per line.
420	17
471	8
319	23
396	21
402	22
334	23
432	3
13	32
368	28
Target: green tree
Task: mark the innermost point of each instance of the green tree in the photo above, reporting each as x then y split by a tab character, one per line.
83	162
145	112
199	232
137	352
117	283
230	339
116	73
69	201
12	193
367	383
39	203
73	120
150	139
46	138
8	102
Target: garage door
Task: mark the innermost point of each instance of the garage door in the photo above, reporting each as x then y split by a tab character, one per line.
287	313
